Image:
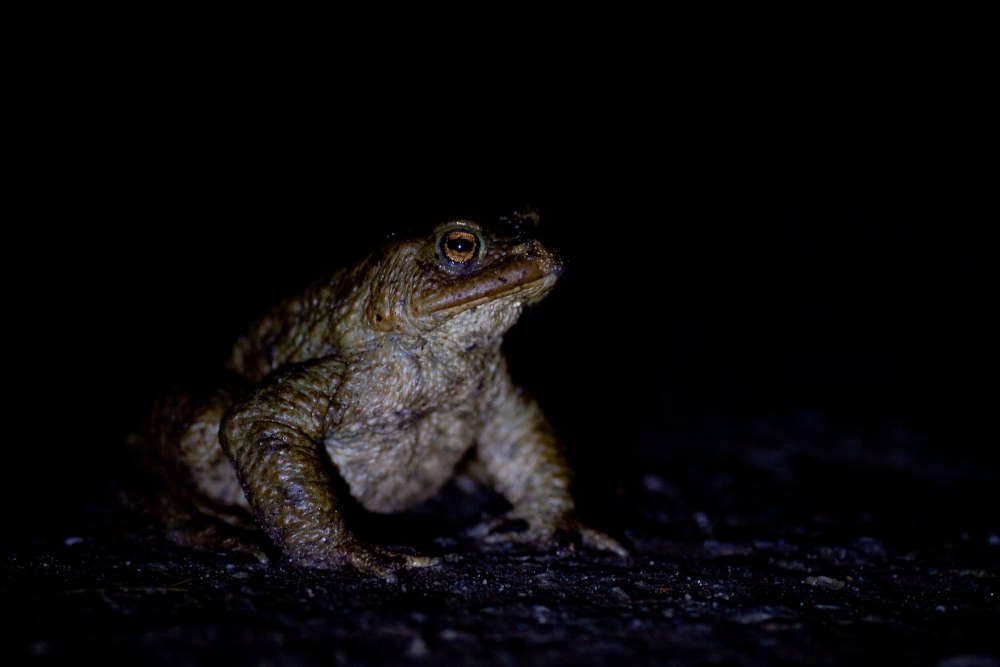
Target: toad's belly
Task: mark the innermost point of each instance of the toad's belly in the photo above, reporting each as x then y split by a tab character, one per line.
389	468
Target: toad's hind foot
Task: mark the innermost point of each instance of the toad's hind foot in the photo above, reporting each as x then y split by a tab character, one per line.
365	558
544	534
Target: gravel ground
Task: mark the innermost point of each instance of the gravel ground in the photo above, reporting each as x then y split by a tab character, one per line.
801	546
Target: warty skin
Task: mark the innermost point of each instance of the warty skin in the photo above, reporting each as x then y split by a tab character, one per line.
375	383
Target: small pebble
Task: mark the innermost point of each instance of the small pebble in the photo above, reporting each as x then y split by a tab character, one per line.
620	595
541	613
793	565
417	648
828	583
704	523
870	547
655	484
753	616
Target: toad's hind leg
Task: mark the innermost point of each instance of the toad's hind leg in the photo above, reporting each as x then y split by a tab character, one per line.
187	484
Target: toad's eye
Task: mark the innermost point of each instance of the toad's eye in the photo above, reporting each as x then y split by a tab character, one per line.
460	246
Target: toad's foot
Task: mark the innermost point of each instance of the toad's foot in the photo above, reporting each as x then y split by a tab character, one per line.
544	533
366	558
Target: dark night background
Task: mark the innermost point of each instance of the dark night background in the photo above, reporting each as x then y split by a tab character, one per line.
749	388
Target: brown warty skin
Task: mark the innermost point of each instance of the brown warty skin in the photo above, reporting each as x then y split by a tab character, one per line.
376	382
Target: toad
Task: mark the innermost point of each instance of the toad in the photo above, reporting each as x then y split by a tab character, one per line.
381	382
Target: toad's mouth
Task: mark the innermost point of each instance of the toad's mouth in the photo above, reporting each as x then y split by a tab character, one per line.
524	278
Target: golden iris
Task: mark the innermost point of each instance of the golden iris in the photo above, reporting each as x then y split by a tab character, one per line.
460	246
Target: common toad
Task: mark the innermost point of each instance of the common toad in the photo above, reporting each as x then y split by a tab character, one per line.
377	382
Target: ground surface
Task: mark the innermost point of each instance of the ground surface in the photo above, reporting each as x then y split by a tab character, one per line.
801	546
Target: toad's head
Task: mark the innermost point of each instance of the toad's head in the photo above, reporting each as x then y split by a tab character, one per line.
464	280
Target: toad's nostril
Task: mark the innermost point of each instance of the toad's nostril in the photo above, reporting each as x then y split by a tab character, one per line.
548	260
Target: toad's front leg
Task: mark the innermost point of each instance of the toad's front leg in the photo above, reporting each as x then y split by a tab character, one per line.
274	439
522	461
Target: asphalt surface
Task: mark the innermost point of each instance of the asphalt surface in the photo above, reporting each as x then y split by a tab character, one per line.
804	544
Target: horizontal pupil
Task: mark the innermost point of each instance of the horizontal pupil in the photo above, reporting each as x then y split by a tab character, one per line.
460	245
